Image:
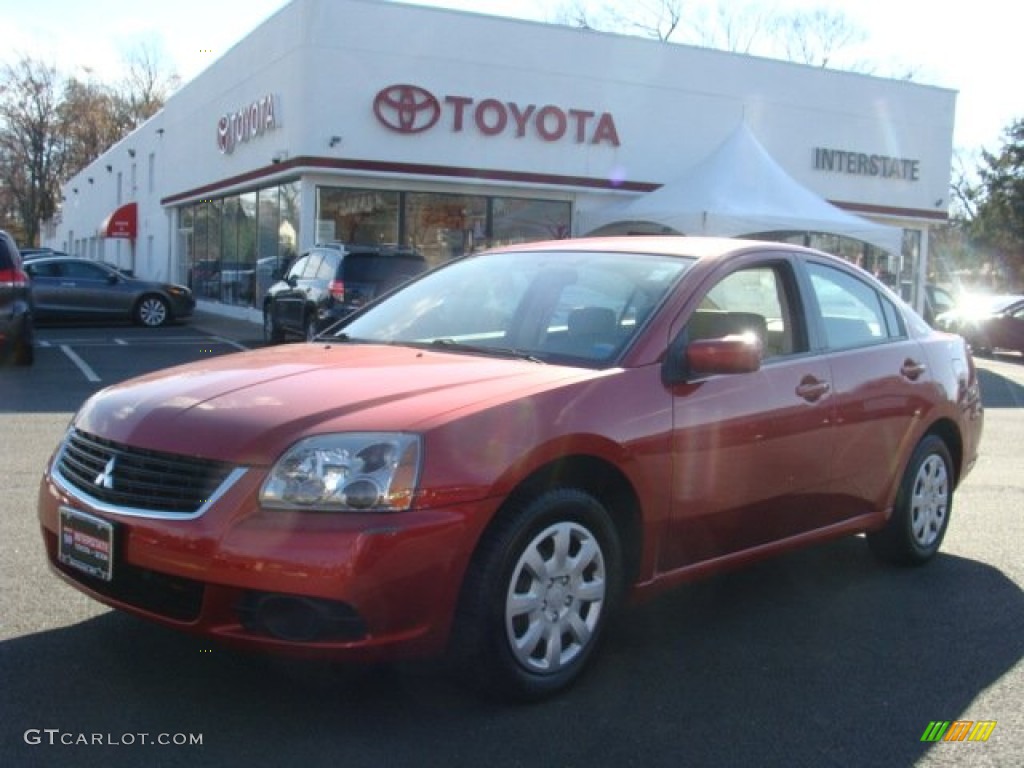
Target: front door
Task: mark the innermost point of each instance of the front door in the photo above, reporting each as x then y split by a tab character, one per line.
752	451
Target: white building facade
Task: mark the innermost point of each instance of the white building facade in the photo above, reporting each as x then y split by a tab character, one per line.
372	121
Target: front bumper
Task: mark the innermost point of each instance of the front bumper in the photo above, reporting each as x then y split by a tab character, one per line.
351	587
183	306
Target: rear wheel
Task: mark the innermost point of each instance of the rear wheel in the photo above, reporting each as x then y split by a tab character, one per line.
537	596
152	311
923	504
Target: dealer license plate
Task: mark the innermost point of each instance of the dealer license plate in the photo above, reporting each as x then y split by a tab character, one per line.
86	543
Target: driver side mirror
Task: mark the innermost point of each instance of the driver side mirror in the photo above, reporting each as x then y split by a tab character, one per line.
740	353
731	354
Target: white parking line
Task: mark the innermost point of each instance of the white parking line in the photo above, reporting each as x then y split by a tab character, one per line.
83	366
230	343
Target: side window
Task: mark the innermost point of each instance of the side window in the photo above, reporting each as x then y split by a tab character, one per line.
298	266
328	268
50	269
894	320
853	313
80	271
754	300
312	265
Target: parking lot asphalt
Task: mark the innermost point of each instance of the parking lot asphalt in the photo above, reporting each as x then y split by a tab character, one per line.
246	333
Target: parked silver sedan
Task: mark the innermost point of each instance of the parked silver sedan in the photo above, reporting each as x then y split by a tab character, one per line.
72	288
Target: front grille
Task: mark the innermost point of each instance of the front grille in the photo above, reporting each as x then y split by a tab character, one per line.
137	479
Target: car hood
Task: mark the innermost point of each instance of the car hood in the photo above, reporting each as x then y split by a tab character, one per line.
248	407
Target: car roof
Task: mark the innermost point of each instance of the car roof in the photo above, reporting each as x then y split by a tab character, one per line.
668	245
64	257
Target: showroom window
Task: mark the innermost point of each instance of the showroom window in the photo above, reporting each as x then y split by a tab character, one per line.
234	246
364	216
522	220
441	226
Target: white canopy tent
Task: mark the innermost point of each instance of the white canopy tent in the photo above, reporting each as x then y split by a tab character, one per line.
739	190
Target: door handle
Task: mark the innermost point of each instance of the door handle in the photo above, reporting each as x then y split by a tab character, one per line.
812	389
911	369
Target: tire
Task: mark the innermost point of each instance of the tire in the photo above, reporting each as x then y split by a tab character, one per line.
152	311
25	348
272	333
920	515
537	596
978	342
309	328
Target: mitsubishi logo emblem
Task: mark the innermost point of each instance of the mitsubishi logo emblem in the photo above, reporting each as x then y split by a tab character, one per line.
105	479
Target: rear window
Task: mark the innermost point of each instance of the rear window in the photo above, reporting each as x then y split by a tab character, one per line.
6	254
376	268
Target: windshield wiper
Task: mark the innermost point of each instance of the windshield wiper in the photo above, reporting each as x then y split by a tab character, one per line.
504	352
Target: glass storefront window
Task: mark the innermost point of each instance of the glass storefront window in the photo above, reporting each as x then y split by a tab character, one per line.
356	216
909	287
232	247
442	227
521	220
268	256
288	230
205	267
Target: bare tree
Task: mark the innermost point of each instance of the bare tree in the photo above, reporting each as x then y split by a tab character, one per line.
734	28
656	19
31	142
89	122
814	37
145	87
963	190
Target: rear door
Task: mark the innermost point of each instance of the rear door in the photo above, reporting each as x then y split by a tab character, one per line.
880	384
290	303
47	294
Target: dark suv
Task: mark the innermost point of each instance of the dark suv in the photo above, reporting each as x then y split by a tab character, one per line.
16	336
329	282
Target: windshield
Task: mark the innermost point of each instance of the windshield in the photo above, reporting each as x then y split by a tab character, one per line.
581	307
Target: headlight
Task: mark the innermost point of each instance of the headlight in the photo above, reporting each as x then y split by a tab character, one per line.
348	472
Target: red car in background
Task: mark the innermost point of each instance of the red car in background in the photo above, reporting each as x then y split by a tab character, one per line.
490	460
988	323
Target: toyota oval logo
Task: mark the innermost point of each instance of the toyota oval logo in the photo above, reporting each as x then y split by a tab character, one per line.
407	108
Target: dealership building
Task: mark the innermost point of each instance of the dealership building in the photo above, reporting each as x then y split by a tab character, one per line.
373	121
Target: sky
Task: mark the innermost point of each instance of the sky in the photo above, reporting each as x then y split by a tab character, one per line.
973	48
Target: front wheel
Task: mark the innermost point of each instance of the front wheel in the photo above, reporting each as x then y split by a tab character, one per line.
537	596
923	503
152	311
310	328
272	333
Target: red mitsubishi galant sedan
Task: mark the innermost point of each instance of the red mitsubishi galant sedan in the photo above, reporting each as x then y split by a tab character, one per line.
490	460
